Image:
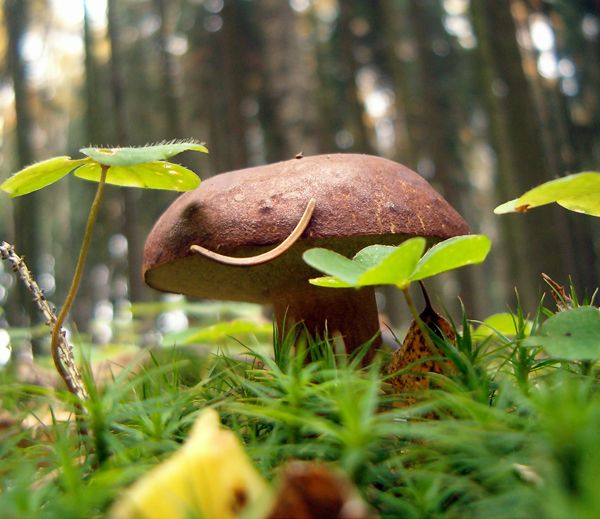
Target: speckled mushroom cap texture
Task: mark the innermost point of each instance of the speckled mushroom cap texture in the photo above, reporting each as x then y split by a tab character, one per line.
360	200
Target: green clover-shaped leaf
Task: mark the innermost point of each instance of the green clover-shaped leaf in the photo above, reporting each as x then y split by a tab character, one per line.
572	334
399	266
158	174
395	268
452	254
579	192
143	167
338	266
40	174
142	154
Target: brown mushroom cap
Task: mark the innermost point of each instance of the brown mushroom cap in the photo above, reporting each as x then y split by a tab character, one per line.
360	200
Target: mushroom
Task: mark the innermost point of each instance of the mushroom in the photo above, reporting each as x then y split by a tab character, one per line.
360	200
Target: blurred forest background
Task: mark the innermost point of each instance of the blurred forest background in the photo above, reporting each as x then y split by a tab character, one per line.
484	98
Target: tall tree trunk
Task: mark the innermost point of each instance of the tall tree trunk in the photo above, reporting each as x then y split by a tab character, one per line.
230	49
354	107
435	136
560	146
93	117
324	95
389	24
130	195
286	113
536	241
26	209
170	102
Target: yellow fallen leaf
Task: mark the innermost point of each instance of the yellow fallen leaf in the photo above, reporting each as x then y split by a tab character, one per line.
211	476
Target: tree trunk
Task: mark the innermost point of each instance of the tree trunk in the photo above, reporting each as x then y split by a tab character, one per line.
287	118
435	129
169	97
353	105
93	111
536	241
26	209
130	195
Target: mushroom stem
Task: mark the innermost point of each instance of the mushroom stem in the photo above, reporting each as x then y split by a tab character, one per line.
266	256
350	313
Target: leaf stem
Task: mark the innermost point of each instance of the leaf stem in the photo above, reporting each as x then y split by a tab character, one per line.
411	304
85	246
417	318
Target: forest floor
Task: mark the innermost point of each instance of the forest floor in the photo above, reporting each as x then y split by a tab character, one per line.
507	432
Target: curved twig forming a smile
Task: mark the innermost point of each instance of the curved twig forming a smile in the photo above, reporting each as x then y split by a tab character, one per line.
266	256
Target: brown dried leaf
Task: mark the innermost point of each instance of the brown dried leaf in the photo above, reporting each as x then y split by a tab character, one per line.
310	490
419	353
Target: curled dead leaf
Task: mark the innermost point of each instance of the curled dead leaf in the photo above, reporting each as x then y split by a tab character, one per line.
418	355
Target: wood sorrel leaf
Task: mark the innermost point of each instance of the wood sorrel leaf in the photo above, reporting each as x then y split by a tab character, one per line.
372	255
572	334
579	192
40	174
400	266
329	282
395	268
451	254
153	175
334	264
140	155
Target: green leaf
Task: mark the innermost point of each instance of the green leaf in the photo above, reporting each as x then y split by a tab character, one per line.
573	334
503	323
222	330
333	264
395	268
586	204
451	254
372	255
40	174
153	175
579	192
329	282
140	155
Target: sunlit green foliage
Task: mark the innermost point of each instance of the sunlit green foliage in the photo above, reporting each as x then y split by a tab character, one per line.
144	167
511	433
400	266
573	334
579	193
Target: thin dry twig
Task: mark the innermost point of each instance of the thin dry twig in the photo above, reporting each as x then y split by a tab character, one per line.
70	373
559	294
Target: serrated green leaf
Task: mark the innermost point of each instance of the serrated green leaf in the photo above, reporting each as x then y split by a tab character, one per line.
579	192
40	175
372	255
395	268
451	254
139	155
334	264
573	334
329	282
152	175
